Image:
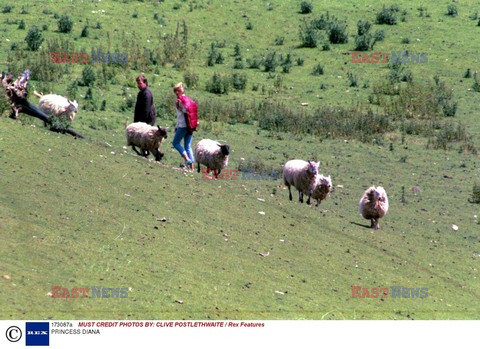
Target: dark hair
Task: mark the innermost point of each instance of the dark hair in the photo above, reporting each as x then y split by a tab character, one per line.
142	78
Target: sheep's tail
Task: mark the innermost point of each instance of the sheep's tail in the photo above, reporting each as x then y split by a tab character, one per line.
39	95
126	122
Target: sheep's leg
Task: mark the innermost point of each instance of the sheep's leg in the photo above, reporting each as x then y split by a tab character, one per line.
216	173
308	200
376	226
300	196
136	151
158	154
290	193
198	167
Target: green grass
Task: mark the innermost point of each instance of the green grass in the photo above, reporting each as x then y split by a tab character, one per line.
74	214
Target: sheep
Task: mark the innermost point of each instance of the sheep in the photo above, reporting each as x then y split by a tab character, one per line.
56	105
212	154
302	175
323	187
148	138
374	205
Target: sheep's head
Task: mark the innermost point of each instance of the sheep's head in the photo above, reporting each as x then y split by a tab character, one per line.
162	132
313	167
376	194
225	149
73	106
325	182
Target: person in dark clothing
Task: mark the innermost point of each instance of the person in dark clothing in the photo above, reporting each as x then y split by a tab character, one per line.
144	108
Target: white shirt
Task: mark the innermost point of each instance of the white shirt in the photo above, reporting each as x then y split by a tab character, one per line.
180	115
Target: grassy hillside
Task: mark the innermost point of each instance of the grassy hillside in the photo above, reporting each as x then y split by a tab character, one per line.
82	213
76	215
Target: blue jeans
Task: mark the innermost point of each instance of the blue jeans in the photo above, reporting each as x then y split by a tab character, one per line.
182	133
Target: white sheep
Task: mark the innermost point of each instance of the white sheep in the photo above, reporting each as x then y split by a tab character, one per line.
56	105
322	188
302	175
373	205
148	138
212	154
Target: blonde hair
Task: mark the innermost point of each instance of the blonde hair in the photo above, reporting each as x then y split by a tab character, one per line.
179	87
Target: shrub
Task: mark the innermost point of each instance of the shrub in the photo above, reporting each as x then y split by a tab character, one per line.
323	21
379	35
300	61
468	74
4	104
387	16
88	76
13	46
318	70
212	56
452	10
254	63
270	62
34	39
476	193
191	79
21	25
90	103
449	108
364	42
58	124
270	7
24	11
308	34
239	81
65	24
98	26
103	106
352	80
363	27
474	16
135	14
405	41
249	26
218	84
44	27
46	12
337	33
326	46
306	7
84	33
287	63
7	9
72	90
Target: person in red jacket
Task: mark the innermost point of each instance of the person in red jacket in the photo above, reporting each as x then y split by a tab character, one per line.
182	130
144	108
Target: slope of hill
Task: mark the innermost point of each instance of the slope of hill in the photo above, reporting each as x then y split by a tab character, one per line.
75	213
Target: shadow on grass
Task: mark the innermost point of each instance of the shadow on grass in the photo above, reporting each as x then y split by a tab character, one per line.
361	225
